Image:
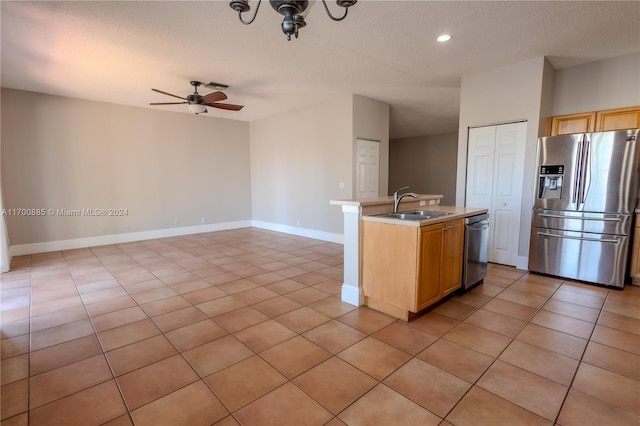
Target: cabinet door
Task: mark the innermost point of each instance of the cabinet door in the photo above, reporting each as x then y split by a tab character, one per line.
430	255
389	263
572	123
452	257
618	119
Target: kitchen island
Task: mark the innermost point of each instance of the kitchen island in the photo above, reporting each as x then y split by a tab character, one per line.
410	264
352	211
358	212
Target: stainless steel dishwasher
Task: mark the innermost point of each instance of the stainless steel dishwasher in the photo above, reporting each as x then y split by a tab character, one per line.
476	249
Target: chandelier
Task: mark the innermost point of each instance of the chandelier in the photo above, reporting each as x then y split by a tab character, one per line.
292	11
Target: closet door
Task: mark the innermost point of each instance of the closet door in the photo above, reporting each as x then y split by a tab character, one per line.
495	173
480	157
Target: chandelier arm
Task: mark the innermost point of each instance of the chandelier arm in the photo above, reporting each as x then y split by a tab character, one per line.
254	15
326	8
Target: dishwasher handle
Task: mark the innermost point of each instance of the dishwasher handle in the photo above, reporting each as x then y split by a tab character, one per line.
477	218
478	226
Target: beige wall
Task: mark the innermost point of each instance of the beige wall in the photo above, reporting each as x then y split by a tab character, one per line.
371	121
426	163
168	169
510	93
172	170
298	160
611	83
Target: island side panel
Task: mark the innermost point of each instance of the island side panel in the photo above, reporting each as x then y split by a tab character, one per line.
389	267
351	291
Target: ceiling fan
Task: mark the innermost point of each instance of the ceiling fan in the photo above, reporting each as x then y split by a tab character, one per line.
198	103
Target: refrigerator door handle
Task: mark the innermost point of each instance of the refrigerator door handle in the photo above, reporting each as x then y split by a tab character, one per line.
600	240
586	169
578	173
604	219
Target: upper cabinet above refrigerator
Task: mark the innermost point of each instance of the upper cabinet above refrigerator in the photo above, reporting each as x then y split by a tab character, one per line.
594	121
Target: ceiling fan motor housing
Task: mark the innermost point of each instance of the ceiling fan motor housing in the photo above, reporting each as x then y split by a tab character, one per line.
194	99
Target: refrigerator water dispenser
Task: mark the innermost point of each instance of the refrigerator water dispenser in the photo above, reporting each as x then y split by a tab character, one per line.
550	185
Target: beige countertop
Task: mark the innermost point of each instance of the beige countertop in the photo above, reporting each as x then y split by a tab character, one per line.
383	200
455	213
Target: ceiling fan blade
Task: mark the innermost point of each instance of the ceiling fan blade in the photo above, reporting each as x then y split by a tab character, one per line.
167	103
214	97
169	94
229	107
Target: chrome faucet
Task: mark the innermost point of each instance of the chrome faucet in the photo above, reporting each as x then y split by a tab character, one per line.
397	199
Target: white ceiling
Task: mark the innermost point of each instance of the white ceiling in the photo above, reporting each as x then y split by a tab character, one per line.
116	51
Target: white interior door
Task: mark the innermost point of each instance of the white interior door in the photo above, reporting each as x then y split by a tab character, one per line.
507	192
495	174
367	169
481	152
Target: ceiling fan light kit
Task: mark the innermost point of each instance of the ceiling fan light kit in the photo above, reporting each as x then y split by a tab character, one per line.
292	11
197	108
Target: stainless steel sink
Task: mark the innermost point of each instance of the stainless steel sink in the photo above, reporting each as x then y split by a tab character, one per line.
429	213
404	216
414	215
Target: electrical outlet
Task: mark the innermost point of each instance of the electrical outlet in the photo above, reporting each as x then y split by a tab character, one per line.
341	185
202	220
298	222
423	203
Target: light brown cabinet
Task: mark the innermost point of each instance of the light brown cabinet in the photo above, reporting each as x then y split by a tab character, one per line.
595	121
440	256
618	119
571	123
406	269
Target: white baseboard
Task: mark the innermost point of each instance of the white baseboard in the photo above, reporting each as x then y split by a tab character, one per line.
302	232
522	262
102	240
352	295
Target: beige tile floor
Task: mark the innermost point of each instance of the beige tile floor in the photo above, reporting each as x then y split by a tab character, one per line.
247	327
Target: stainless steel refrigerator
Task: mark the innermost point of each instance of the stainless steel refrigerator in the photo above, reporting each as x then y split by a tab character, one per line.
585	197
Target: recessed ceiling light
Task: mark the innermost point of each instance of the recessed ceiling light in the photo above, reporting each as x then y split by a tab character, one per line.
444	37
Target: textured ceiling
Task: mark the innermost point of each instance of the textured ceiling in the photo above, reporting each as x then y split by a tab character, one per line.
116	51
